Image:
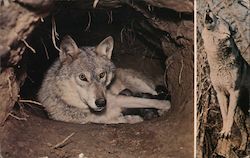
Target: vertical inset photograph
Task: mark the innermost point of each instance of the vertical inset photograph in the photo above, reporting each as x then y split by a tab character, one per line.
96	79
223	79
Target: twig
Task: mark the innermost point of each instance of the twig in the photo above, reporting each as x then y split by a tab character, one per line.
32	107
182	65
203	93
62	143
246	48
95	3
10	87
165	78
89	22
28	46
22	110
18	118
121	34
46	50
210	85
168	62
41	18
29	101
150	8
54	34
110	15
201	130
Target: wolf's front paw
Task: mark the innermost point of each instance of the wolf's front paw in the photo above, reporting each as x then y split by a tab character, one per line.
166	105
131	119
225	133
161	112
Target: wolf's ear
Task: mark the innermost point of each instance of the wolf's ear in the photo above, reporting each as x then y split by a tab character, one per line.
68	49
105	48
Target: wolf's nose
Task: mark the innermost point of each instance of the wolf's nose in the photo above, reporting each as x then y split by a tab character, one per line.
100	103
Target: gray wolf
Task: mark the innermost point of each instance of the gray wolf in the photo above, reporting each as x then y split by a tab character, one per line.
83	86
229	72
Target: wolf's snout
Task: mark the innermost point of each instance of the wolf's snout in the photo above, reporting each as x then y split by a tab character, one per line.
101	102
208	19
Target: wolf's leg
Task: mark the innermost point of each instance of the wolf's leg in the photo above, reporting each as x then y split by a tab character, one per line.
234	95
117	86
134	102
222	99
66	117
240	119
134	81
131	119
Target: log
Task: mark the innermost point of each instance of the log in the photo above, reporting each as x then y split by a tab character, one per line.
17	20
9	89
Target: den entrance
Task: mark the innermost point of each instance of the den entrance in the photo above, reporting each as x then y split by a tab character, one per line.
153	38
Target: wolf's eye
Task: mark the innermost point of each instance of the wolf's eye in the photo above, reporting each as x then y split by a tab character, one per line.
82	77
101	75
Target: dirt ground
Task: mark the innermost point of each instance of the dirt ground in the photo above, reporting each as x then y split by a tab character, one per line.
169	136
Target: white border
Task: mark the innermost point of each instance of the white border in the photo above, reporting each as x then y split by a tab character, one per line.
195	76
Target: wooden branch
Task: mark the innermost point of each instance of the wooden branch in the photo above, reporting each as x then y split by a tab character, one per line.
62	143
9	90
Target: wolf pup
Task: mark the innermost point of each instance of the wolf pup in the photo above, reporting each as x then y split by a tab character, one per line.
229	72
83	85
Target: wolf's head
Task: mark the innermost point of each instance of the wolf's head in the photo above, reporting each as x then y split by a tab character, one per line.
210	19
216	25
85	73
